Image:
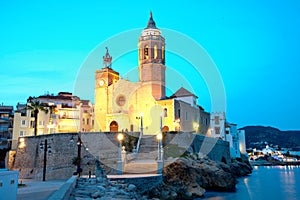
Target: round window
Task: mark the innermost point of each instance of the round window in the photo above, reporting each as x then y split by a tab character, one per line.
121	100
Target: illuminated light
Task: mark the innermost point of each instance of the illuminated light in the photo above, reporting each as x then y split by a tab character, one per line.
159	136
50	126
141	114
120	137
22	143
195	125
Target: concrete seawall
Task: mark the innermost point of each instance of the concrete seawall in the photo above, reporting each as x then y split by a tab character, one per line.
28	158
215	149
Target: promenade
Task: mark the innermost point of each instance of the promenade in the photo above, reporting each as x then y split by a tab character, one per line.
38	190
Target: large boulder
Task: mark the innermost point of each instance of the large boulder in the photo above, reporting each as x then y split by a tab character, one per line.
206	173
187	178
240	167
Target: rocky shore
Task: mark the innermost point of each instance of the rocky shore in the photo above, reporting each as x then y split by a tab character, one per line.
186	178
270	161
103	189
190	176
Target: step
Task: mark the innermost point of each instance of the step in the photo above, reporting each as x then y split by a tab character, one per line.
147	156
147	149
141	167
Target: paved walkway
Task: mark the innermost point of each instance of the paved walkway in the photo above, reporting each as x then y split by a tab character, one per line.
38	190
132	176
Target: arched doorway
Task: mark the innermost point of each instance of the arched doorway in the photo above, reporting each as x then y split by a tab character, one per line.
165	129
113	127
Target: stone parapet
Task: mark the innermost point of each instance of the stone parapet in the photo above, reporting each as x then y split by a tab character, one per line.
64	192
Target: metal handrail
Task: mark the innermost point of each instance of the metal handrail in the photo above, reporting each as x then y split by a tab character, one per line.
139	143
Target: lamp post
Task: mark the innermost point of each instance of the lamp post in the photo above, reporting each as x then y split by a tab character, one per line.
47	149
159	145
120	139
141	122
160	153
120	164
79	144
161	123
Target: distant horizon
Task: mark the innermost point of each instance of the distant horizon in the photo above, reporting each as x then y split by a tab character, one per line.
255	46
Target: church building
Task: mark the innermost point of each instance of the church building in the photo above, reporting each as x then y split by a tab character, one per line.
122	105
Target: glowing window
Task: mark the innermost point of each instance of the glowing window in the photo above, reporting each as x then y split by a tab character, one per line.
140	54
146	53
155	52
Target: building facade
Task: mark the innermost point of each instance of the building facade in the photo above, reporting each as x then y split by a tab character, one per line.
6	125
66	113
220	128
143	105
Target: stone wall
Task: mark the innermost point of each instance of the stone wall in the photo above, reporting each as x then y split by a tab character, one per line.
215	149
29	158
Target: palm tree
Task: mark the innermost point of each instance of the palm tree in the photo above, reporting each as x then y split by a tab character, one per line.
36	106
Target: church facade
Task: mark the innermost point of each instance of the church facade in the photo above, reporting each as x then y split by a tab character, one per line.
122	105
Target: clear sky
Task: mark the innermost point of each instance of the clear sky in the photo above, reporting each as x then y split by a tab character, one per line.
255	45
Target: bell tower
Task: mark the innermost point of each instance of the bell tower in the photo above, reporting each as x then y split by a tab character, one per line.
105	78
152	67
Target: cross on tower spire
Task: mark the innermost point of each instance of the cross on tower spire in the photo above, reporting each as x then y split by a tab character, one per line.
151	22
107	59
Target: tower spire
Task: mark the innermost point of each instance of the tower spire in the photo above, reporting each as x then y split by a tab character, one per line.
151	22
107	59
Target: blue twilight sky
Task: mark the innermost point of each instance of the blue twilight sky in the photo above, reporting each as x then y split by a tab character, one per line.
255	45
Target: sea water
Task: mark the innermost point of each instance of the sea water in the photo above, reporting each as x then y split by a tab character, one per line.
265	182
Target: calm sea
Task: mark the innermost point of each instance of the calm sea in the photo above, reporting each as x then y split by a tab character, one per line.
276	182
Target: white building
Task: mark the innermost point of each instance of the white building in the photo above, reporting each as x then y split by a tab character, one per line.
220	128
217	125
67	113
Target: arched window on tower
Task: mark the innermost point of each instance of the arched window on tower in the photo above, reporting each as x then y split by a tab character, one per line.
165	112
155	52
146	52
140	54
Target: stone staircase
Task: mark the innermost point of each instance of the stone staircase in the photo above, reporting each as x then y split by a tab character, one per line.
146	162
141	167
148	148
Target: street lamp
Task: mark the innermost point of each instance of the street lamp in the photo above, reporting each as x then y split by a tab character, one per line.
79	144
141	125
120	138
47	149
161	123
159	145
160	164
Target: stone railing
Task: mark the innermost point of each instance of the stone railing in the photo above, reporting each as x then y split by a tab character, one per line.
64	192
